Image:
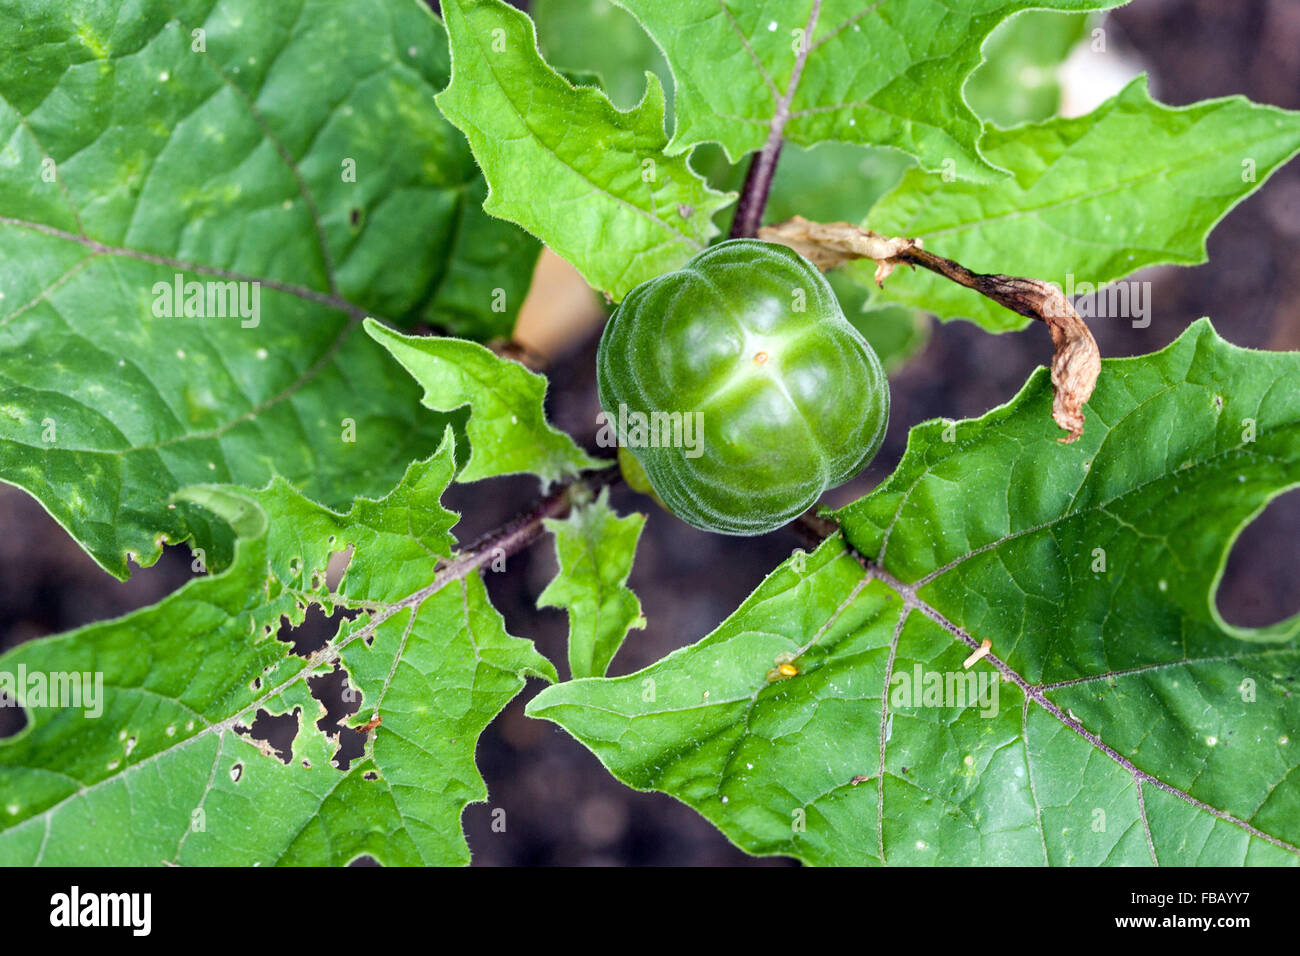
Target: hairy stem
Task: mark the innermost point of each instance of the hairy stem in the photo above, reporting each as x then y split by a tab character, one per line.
1023	296
758	185
762	168
813	528
520	532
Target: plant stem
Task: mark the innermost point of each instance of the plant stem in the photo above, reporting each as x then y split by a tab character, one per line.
511	538
1023	296
753	195
520	532
813	528
762	168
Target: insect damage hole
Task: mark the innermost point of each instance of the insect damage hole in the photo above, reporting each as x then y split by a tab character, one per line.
273	734
1258	584
12	718
336	567
315	631
340	700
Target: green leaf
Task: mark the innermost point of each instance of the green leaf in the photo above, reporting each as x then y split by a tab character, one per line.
507	428
137	150
592	182
595	549
830	182
596	36
881	74
1130	724
1018	81
488	274
166	770
1093	199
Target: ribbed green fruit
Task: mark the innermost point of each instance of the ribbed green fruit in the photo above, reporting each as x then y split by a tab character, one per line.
746	343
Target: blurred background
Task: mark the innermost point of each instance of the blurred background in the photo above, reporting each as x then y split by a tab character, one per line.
561	805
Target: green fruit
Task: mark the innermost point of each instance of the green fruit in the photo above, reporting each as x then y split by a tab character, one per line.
740	387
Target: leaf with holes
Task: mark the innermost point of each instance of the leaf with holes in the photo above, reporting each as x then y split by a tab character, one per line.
595	548
887	73
507	426
1093	199
156	762
592	182
1118	718
197	207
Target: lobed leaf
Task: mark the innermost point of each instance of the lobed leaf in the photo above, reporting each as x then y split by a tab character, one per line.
248	148
1118	718
1134	183
595	549
888	73
166	771
507	426
592	182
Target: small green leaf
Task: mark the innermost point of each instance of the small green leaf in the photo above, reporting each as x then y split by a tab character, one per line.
160	768
1117	720
888	73
595	549
591	182
508	431
1093	199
